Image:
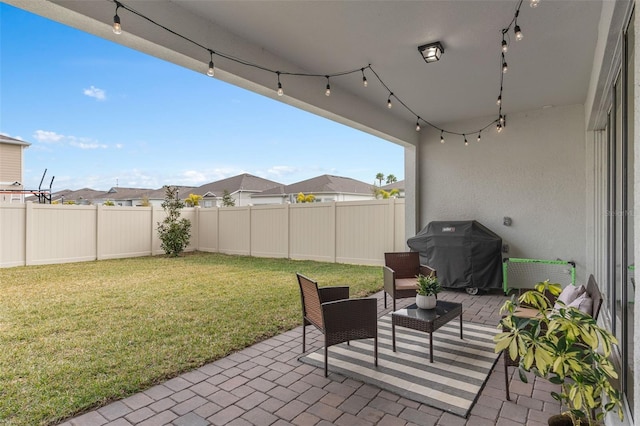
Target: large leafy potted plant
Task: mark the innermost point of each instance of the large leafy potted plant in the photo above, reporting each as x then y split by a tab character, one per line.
565	346
428	288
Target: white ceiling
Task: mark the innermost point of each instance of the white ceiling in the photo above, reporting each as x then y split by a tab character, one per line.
550	66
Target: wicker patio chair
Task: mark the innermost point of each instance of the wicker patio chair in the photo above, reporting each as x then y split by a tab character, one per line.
400	275
339	318
596	296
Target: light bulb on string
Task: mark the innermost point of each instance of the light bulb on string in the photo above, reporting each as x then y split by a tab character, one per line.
466	142
505	68
211	71
499	101
280	91
328	90
441	136
518	32
502	120
505	46
499	127
365	83
117	28
418	124
534	3
479	136
389	104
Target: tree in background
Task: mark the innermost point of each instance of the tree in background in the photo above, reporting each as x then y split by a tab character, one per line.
380	178
381	193
301	198
227	199
174	232
391	179
108	203
145	201
193	200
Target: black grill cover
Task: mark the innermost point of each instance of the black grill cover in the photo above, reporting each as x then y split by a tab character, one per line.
463	253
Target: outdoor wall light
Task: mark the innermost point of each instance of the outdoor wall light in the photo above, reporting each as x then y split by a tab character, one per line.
431	52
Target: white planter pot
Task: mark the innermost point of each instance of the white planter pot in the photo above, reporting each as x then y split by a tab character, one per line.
425	302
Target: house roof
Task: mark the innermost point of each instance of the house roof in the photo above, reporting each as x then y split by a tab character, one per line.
243	182
399	185
322	184
183	192
13	141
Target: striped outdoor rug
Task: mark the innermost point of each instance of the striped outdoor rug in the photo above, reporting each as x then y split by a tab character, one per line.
452	383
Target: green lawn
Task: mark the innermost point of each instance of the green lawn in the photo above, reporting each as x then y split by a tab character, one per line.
76	336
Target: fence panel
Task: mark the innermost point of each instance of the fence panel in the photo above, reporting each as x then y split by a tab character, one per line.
361	232
60	234
269	231
234	230
208	230
312	231
124	232
12	236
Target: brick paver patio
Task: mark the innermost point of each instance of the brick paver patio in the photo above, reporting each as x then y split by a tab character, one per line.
265	384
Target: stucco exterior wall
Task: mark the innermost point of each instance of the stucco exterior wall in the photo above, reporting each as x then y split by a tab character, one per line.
532	172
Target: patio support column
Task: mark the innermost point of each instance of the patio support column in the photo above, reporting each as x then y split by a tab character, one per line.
411	191
636	196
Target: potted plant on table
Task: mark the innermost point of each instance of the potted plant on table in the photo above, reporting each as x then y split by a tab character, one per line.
428	288
566	347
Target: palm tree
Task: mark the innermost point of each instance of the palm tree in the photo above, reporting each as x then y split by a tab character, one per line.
380	178
391	179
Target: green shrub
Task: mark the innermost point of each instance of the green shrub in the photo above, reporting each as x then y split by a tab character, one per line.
174	232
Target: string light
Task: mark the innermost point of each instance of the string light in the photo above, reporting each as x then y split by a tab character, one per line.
280	91
466	143
211	71
518	32
504	45
117	28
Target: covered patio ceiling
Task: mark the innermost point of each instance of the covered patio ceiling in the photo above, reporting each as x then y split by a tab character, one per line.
551	66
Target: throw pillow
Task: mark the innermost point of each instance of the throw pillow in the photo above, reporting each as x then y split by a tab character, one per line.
569	294
584	303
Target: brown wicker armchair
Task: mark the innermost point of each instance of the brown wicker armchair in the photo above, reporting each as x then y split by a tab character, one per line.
592	290
339	318
400	275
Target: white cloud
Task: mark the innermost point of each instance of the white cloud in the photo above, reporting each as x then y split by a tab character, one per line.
94	92
87	144
46	136
119	146
49	137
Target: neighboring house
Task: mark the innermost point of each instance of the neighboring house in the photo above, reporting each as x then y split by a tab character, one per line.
12	169
85	196
136	196
324	188
242	189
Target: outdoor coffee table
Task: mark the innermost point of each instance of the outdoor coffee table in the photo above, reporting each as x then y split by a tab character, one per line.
427	320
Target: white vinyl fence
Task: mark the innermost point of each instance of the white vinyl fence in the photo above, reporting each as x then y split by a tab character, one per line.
357	232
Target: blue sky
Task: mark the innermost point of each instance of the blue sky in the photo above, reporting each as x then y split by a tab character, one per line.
98	113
